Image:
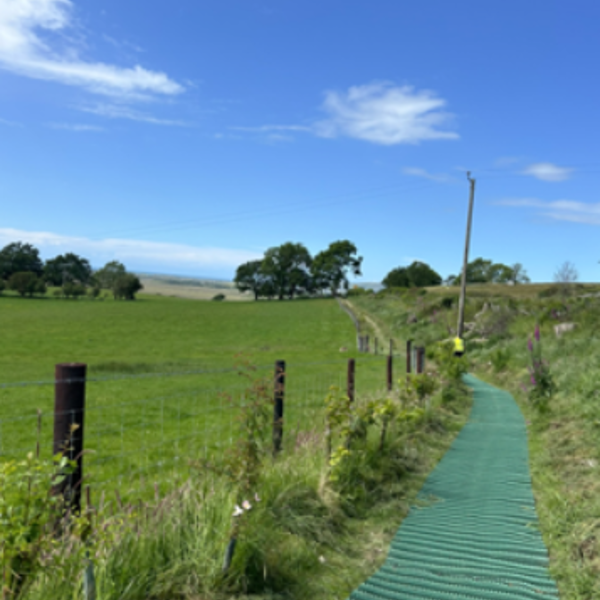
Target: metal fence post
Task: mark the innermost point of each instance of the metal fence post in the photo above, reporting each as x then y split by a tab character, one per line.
389	372
278	406
350	387
69	410
419	359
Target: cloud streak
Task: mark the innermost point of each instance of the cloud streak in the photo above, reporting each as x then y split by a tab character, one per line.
379	113
385	114
114	111
418	172
161	254
26	30
559	210
547	172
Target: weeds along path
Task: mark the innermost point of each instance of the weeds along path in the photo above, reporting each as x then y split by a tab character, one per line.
357	315
473	533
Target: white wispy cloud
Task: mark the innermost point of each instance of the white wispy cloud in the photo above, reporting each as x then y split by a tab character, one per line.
77	127
385	114
138	251
418	172
380	113
559	210
28	47
117	111
547	172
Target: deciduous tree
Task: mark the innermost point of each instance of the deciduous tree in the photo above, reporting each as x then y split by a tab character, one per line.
109	273
67	267
126	286
287	267
330	268
20	258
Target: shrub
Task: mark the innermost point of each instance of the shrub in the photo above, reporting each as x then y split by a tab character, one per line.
219	297
73	290
24	282
2	285
126	286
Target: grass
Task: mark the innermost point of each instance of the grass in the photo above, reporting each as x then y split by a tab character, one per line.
564	451
142	418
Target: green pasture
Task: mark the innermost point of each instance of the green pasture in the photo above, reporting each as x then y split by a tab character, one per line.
163	386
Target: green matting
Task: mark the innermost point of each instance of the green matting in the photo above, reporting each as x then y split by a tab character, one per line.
477	535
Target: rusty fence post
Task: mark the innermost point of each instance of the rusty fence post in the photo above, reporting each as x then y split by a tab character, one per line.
419	358
389	372
278	406
350	387
69	410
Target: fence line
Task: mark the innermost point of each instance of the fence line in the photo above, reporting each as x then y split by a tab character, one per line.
135	440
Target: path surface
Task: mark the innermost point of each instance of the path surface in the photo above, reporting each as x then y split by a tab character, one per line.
478	537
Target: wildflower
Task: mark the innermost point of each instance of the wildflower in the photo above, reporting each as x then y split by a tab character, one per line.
532	380
322	560
537	333
238	511
529	345
256	498
246	505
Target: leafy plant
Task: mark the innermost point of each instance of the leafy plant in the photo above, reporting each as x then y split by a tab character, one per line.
28	514
543	386
500	358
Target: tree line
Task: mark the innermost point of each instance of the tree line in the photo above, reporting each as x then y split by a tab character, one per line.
289	270
420	274
22	270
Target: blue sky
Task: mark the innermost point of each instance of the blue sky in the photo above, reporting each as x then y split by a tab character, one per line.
188	137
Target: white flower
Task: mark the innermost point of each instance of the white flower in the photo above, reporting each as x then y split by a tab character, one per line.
322	560
256	498
246	505
238	511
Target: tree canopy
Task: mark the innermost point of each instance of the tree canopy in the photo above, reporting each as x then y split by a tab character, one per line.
485	271
418	274
330	267
107	276
289	270
67	268
18	257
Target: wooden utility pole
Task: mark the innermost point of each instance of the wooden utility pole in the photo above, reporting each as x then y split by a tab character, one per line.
463	290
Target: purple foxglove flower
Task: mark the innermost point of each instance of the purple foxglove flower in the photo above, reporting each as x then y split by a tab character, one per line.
537	333
532	380
529	345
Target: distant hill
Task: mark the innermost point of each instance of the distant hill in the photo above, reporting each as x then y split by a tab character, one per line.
189	287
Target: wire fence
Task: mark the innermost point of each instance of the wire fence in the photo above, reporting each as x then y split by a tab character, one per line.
134	441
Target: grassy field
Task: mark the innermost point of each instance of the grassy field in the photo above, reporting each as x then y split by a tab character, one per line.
564	450
144	414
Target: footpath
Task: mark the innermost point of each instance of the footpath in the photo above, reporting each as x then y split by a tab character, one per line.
473	533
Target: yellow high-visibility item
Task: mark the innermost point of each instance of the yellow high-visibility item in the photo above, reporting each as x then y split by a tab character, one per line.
459	345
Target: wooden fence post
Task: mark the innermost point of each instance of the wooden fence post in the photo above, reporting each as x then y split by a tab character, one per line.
350	386
389	372
408	360
278	405
69	410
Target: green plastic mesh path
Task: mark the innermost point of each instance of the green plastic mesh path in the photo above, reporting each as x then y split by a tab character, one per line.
478	536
